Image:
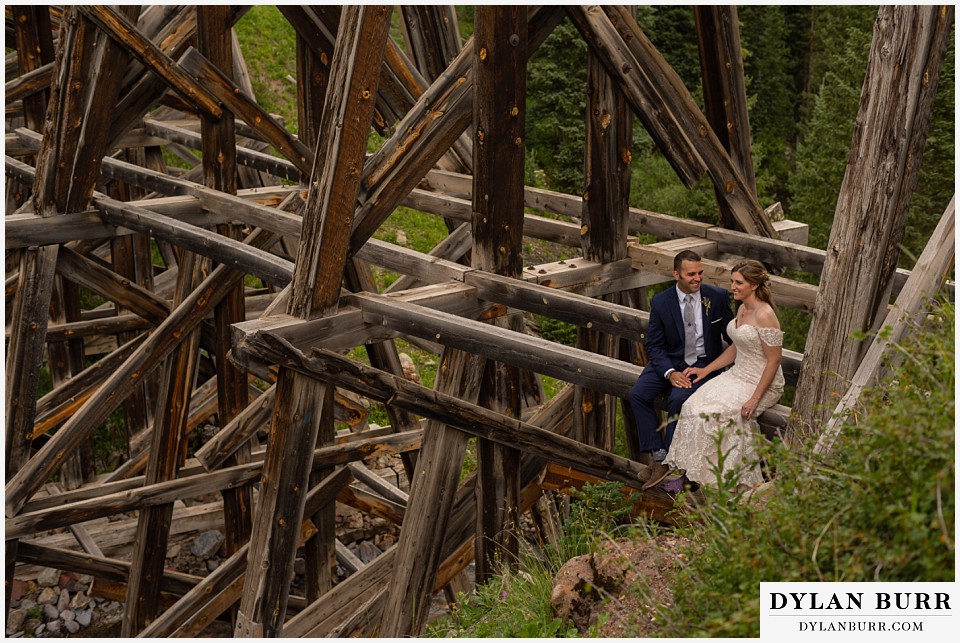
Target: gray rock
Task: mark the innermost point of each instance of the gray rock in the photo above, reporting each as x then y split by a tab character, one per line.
54	627
212	564
30	624
71	626
16	635
63	601
50	612
48	577
47	596
40	629
79	601
68	615
368	551
206	544
15	619
27	603
85	617
173	551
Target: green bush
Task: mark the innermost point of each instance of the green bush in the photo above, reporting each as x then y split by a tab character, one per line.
879	507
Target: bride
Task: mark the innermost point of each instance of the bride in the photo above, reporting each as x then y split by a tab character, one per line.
724	408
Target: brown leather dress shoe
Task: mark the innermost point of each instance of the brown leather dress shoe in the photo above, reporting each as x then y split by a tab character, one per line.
658	471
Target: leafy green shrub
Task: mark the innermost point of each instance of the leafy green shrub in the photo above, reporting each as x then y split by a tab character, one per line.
879	507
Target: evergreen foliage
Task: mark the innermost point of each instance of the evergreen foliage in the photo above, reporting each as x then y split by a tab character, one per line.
556	105
825	146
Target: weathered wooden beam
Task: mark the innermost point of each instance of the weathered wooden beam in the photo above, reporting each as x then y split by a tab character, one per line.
426	133
475	420
146	357
431	34
28	83
668	110
118	27
236	254
243	106
165	457
63	401
248	158
222	588
724	91
603	234
927	279
903	71
383	355
100	567
109	284
517	349
81	504
499	111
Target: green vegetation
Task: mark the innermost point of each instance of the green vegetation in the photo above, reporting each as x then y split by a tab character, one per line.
517	603
270	51
879	507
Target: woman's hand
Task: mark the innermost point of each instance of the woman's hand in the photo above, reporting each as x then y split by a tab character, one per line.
697	372
749	408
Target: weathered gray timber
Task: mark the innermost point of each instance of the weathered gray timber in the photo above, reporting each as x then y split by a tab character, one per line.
146	357
664	105
929	275
500	89
603	233
725	91
906	57
249	367
328	218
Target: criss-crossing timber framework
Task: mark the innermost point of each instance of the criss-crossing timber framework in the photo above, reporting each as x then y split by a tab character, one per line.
97	95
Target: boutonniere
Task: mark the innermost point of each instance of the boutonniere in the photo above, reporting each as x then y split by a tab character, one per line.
706	305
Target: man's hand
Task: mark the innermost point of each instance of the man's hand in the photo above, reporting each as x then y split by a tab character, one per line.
679	380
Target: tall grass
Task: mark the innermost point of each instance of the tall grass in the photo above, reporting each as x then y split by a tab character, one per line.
517	603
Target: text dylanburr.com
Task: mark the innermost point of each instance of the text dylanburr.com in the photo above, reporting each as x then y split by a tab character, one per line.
858	611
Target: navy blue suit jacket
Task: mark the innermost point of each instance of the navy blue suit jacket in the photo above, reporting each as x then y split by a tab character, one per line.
665	337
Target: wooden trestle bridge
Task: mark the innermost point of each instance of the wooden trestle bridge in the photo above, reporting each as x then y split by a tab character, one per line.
265	249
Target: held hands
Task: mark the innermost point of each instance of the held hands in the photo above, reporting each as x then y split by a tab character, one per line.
749	408
680	380
695	372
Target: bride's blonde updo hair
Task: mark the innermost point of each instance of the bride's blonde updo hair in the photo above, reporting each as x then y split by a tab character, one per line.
754	273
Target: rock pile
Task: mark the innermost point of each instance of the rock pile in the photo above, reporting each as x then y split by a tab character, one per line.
57	604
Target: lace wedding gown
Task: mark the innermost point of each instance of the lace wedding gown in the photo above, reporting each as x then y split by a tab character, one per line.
714	411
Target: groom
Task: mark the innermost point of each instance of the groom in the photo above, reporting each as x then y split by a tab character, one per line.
687	326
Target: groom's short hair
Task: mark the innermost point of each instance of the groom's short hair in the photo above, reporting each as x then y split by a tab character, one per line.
684	255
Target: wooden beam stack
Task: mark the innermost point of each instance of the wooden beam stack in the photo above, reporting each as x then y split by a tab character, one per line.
229	293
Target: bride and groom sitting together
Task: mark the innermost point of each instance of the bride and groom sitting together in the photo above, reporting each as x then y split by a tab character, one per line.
686	358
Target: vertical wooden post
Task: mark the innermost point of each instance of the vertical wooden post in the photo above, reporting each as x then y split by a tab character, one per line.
603	231
313	72
500	45
215	42
725	92
166	455
327	222
68	165
896	105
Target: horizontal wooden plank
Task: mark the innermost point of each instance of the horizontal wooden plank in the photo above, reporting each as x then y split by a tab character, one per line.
384	387
656	258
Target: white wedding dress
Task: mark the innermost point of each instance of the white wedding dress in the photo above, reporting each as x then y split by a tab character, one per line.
714	412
